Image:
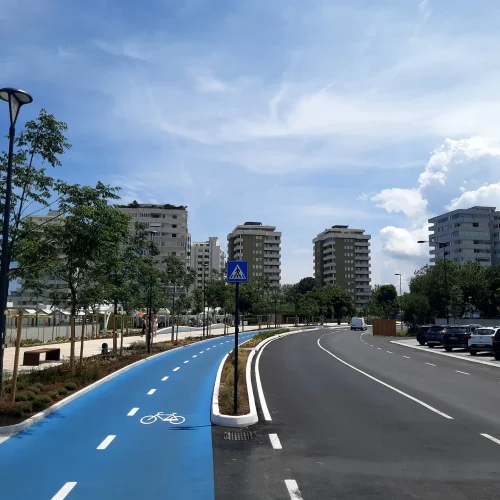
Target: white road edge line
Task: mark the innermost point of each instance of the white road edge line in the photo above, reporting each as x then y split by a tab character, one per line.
164	378
175	369
275	441
293	489
132	412
430	364
491	438
151	391
63	492
465	373
387	385
106	442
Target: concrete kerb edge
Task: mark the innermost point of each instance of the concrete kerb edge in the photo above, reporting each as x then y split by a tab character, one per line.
10	430
234	420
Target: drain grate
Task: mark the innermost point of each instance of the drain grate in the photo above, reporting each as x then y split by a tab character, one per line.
240	436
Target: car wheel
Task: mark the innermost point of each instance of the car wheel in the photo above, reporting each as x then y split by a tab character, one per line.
448	349
472	353
496	355
431	346
421	343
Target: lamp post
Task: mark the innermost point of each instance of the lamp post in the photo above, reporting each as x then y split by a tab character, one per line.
16	98
150	299
442	245
204	267
400	299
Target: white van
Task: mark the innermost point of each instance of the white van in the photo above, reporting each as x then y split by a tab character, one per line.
358	324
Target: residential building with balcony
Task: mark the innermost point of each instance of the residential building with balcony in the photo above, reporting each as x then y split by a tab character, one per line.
260	245
466	235
342	257
207	257
170	224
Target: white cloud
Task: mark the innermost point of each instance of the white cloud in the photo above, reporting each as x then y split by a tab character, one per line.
402	243
408	201
488	195
456	152
209	84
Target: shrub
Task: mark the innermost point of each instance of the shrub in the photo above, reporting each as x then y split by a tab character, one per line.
53	395
21	396
30	394
39	385
41	402
26	407
8	388
35	389
62	391
14	412
71	386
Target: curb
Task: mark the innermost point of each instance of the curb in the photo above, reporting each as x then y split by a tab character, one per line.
10	430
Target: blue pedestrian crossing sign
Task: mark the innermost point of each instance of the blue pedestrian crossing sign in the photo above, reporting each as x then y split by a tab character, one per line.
237	271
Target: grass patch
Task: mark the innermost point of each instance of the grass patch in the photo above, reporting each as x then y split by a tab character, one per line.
226	388
254	341
402	333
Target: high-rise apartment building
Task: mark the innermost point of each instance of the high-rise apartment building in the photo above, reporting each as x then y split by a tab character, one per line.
170	224
466	235
207	257
259	245
342	257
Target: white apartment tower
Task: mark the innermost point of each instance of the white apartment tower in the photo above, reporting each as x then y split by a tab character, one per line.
206	257
169	223
466	235
259	245
342	257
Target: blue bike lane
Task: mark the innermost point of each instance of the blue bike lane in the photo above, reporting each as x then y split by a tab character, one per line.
99	442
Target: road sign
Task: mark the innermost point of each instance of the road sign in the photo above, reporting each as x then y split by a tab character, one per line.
237	271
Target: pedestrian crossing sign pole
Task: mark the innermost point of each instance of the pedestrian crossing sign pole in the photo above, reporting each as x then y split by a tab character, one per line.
237	272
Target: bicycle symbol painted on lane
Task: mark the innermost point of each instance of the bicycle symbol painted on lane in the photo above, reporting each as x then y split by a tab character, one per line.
173	418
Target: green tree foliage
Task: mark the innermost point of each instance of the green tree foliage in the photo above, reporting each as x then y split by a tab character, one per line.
384	302
415	308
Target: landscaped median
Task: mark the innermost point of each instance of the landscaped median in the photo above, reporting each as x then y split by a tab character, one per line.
41	392
223	395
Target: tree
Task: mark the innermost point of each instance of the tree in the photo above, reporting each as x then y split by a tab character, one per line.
306	285
75	247
41	142
415	308
457	303
338	301
384	301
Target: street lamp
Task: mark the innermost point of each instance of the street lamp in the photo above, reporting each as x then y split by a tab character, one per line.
16	98
150	299
204	267
401	299
442	245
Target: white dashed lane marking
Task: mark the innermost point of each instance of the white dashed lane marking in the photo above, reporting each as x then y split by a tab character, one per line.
151	391
430	364
164	378
175	369
132	412
106	442
64	491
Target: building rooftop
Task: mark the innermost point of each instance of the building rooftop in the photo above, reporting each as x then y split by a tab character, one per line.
167	206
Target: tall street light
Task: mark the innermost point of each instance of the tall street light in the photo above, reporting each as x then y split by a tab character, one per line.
15	98
400	299
204	267
150	299
442	245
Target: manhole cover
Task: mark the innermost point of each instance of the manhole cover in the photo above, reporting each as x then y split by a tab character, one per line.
240	436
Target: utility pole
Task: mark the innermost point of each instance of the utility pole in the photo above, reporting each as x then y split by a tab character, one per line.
400	300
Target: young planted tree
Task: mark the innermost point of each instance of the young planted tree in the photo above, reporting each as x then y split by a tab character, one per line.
74	248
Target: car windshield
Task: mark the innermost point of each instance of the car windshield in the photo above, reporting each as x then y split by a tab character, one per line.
484	331
455	329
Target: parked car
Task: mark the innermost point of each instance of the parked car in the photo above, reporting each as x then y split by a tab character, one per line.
422	332
495	344
435	334
482	340
458	336
358	324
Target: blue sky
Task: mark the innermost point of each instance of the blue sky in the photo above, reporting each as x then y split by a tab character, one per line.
372	113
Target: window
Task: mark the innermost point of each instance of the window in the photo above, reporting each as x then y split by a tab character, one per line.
475	224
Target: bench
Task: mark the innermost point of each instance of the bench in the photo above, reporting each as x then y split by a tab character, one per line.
32	358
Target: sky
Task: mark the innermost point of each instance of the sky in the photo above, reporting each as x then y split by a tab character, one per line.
376	114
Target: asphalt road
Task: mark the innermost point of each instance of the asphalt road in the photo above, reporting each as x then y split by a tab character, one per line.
97	448
373	421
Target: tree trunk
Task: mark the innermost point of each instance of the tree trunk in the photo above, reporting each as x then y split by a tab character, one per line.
121	338
16	358
115	339
82	340
93	327
72	346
